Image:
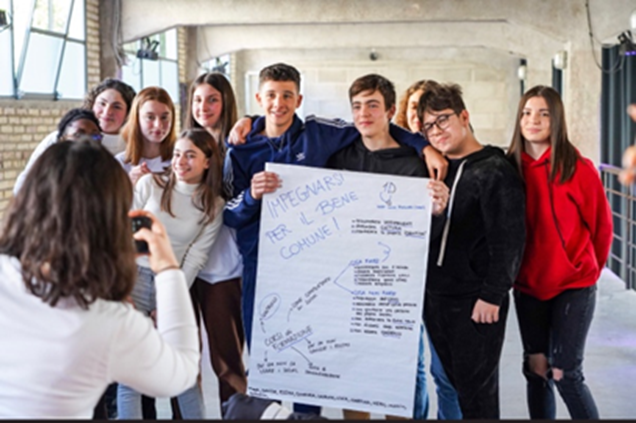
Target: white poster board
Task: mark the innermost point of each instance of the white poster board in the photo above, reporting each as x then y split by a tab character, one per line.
340	282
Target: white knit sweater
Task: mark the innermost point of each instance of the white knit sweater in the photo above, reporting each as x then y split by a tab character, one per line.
190	239
57	361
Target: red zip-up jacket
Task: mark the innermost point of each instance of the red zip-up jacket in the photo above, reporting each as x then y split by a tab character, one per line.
568	229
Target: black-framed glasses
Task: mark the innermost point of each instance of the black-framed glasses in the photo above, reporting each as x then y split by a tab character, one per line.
441	122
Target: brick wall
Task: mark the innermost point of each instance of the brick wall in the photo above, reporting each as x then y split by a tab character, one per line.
24	123
92	42
182	56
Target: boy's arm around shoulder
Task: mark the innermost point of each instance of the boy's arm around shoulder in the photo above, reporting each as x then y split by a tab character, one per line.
331	135
435	162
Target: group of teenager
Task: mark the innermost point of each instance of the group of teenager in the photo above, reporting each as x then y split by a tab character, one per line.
534	219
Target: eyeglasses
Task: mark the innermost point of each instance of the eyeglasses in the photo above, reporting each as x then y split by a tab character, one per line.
441	122
97	137
79	135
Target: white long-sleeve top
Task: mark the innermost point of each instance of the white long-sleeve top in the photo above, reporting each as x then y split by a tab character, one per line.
224	261
188	236
48	141
56	362
113	143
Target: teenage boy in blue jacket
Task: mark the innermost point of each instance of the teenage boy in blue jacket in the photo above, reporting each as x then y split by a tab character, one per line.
281	137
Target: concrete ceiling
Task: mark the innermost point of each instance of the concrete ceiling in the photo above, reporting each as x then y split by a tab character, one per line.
561	20
523	28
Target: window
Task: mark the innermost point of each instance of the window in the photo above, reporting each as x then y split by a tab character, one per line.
218	64
163	72
43	49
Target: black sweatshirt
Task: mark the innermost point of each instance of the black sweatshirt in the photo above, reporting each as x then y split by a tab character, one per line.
402	160
482	250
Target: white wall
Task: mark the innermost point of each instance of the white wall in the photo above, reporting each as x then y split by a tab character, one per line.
488	78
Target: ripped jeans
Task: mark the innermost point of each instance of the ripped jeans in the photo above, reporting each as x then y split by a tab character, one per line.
558	329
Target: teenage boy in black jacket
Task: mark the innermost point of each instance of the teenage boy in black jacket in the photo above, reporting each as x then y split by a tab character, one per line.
475	253
372	100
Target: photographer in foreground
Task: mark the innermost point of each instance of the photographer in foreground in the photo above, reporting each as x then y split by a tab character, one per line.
67	262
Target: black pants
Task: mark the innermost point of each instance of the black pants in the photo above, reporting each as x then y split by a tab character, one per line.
469	352
557	328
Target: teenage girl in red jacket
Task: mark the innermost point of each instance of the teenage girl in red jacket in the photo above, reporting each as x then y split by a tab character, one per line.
569	232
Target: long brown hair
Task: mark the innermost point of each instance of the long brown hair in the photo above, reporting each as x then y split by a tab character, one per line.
204	197
563	156
131	132
228	114
400	117
69	226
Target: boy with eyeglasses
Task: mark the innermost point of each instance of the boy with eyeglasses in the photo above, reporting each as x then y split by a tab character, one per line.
475	252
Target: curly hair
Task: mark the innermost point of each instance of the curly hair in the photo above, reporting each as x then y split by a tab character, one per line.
69	226
72	116
127	93
400	117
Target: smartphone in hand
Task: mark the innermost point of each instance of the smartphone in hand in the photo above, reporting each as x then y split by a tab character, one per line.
139	222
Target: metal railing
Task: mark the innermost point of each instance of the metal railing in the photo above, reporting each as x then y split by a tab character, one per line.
623	203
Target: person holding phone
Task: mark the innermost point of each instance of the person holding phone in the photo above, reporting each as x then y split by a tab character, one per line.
63	320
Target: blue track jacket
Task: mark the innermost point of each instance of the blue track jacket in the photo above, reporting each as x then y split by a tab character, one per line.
309	144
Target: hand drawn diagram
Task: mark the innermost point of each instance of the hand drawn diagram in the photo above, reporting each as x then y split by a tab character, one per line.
342	259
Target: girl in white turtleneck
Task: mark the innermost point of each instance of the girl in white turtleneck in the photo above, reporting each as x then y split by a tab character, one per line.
187	200
110	101
149	134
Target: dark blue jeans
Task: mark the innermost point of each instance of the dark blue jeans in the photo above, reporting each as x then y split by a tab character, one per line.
248	293
558	329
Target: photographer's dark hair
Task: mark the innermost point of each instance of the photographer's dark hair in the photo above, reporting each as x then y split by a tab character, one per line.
279	72
72	116
211	186
69	226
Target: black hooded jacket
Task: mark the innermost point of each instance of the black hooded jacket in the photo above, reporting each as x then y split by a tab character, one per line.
402	160
477	244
